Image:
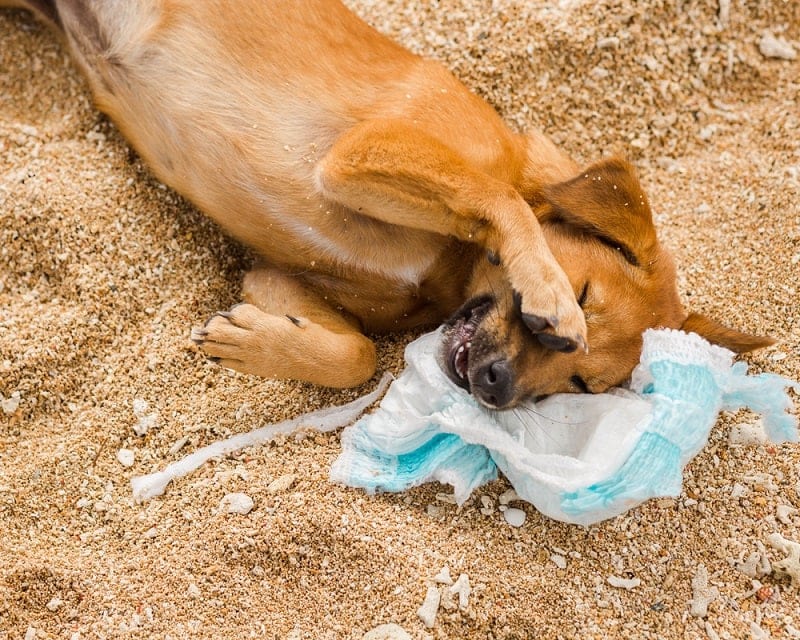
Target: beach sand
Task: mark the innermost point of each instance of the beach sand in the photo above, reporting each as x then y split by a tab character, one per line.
103	272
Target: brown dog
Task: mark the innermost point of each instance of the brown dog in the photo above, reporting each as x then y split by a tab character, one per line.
380	194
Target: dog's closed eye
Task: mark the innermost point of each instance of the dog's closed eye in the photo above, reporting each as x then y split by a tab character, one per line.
582	296
580	384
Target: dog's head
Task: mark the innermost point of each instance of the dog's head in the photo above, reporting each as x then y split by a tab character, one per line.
600	229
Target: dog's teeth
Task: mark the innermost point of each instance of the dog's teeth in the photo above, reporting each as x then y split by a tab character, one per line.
459	362
469	345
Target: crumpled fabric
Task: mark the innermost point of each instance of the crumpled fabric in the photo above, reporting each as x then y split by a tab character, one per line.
578	458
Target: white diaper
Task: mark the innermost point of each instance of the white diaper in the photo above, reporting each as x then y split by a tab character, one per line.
579	458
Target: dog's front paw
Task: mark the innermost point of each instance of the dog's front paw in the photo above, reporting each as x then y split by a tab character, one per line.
548	307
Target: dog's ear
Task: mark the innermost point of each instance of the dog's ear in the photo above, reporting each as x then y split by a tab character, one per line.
716	333
607	202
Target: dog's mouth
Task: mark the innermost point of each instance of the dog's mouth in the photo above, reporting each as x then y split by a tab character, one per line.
460	332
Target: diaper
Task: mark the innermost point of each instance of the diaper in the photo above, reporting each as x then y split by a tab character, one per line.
577	458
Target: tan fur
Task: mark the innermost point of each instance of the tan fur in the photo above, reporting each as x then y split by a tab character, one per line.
372	184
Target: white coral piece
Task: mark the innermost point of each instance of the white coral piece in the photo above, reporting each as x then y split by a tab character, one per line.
702	594
790	565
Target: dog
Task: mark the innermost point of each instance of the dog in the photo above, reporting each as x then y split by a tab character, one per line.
379	194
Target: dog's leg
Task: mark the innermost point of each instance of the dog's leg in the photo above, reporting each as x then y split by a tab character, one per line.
394	172
283	330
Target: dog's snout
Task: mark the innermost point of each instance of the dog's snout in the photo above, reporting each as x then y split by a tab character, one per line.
493	383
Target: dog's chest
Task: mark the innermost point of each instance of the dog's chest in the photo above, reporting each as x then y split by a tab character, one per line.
397	282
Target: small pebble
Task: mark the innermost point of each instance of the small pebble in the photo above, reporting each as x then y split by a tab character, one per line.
389	631
448	600
145	421
738	490
462	588
243	411
790	565
624	583
750	566
514	517
443	577
559	560
434	511
712	635
757	633
724	12
11	404
236	503
430	606
772	47
126	457
508	496
784	513
283	483
54	604
747	434
702	594
610	42
178	445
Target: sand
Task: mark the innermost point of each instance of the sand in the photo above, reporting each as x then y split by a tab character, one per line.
103	272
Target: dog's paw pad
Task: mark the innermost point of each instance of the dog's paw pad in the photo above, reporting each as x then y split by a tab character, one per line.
537	324
559	327
558	343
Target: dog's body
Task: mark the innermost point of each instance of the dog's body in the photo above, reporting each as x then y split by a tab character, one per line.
373	186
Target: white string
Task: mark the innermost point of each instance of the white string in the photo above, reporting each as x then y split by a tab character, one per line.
323	420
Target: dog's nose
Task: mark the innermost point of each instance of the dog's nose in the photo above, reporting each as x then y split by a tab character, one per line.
493	383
